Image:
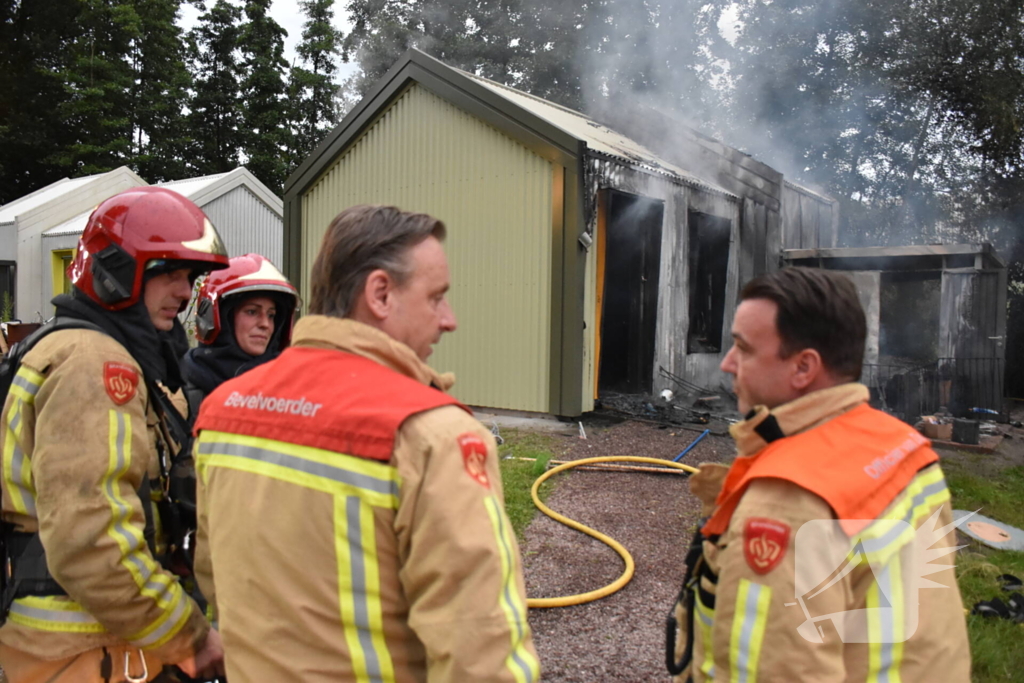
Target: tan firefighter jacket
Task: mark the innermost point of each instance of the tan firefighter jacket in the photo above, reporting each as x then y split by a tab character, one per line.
78	439
776	606
397	565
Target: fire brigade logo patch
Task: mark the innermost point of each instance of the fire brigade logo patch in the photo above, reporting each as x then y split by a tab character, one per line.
764	543
474	457
120	381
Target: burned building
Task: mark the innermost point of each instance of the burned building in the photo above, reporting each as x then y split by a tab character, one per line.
936	324
582	260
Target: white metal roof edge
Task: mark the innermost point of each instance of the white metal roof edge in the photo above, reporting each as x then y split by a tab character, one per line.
14	202
231	180
91	180
686	180
797	187
548	103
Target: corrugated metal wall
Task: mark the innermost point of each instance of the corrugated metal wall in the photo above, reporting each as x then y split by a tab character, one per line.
495	196
969	320
808	221
247	225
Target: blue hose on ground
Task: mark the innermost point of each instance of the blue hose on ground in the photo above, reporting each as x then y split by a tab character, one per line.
690	447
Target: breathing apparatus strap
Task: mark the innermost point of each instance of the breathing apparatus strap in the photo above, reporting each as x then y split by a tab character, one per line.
696	567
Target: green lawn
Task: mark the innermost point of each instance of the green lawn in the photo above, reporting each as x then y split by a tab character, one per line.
517	475
995	643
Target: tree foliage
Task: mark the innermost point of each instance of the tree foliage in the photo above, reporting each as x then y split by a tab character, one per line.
34	36
215	119
263	89
312	87
158	94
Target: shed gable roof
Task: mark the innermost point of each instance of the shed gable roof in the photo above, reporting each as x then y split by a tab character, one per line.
205	189
19	208
598	137
553	131
201	190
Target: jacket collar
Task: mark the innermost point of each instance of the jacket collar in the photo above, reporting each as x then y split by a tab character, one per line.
796	416
344	334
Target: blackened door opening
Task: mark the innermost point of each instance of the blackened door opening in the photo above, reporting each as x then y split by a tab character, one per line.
630	309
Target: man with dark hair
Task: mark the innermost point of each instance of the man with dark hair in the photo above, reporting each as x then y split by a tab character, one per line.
92	455
812	561
351	516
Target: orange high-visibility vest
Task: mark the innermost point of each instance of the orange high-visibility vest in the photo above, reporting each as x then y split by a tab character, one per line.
321	398
857	462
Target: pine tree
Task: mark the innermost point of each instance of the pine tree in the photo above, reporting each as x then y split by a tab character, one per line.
34	35
311	88
215	122
159	146
98	80
265	112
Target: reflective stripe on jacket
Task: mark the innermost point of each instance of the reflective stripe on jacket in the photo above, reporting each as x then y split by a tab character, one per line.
351	521
799	592
73	461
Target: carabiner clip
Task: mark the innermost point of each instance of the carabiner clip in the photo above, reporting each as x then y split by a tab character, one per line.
127	668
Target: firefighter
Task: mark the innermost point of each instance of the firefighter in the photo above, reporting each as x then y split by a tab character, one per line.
826	553
87	449
351	516
243	319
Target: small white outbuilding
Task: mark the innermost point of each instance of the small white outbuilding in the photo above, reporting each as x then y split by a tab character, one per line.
39	232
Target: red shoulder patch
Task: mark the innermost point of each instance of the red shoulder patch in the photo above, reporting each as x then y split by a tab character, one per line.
765	542
474	457
120	381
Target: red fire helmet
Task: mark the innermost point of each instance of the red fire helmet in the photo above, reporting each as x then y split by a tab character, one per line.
136	229
248	274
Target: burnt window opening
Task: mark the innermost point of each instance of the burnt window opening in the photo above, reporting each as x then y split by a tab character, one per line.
632	258
908	317
709	264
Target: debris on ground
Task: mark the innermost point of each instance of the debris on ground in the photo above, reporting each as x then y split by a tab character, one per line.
1012	609
991	532
712	411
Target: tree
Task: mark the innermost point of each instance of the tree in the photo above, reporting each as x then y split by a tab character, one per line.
485	37
265	111
215	121
34	37
98	80
159	145
895	108
312	88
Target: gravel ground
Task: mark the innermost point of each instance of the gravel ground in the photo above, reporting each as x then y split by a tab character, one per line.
620	637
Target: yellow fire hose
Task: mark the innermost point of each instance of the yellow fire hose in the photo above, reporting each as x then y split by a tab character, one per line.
616	585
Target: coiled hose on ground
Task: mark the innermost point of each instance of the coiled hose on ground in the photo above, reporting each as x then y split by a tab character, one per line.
627	574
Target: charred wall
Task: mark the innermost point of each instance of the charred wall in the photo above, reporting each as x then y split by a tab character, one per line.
674	274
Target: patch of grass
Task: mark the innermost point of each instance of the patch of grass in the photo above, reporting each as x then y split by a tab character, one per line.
995	643
1000	496
517	475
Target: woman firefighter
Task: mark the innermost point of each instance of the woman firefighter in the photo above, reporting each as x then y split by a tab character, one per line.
244	317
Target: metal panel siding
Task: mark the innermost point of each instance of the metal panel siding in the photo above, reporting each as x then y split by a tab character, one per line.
8	241
247	225
495	196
